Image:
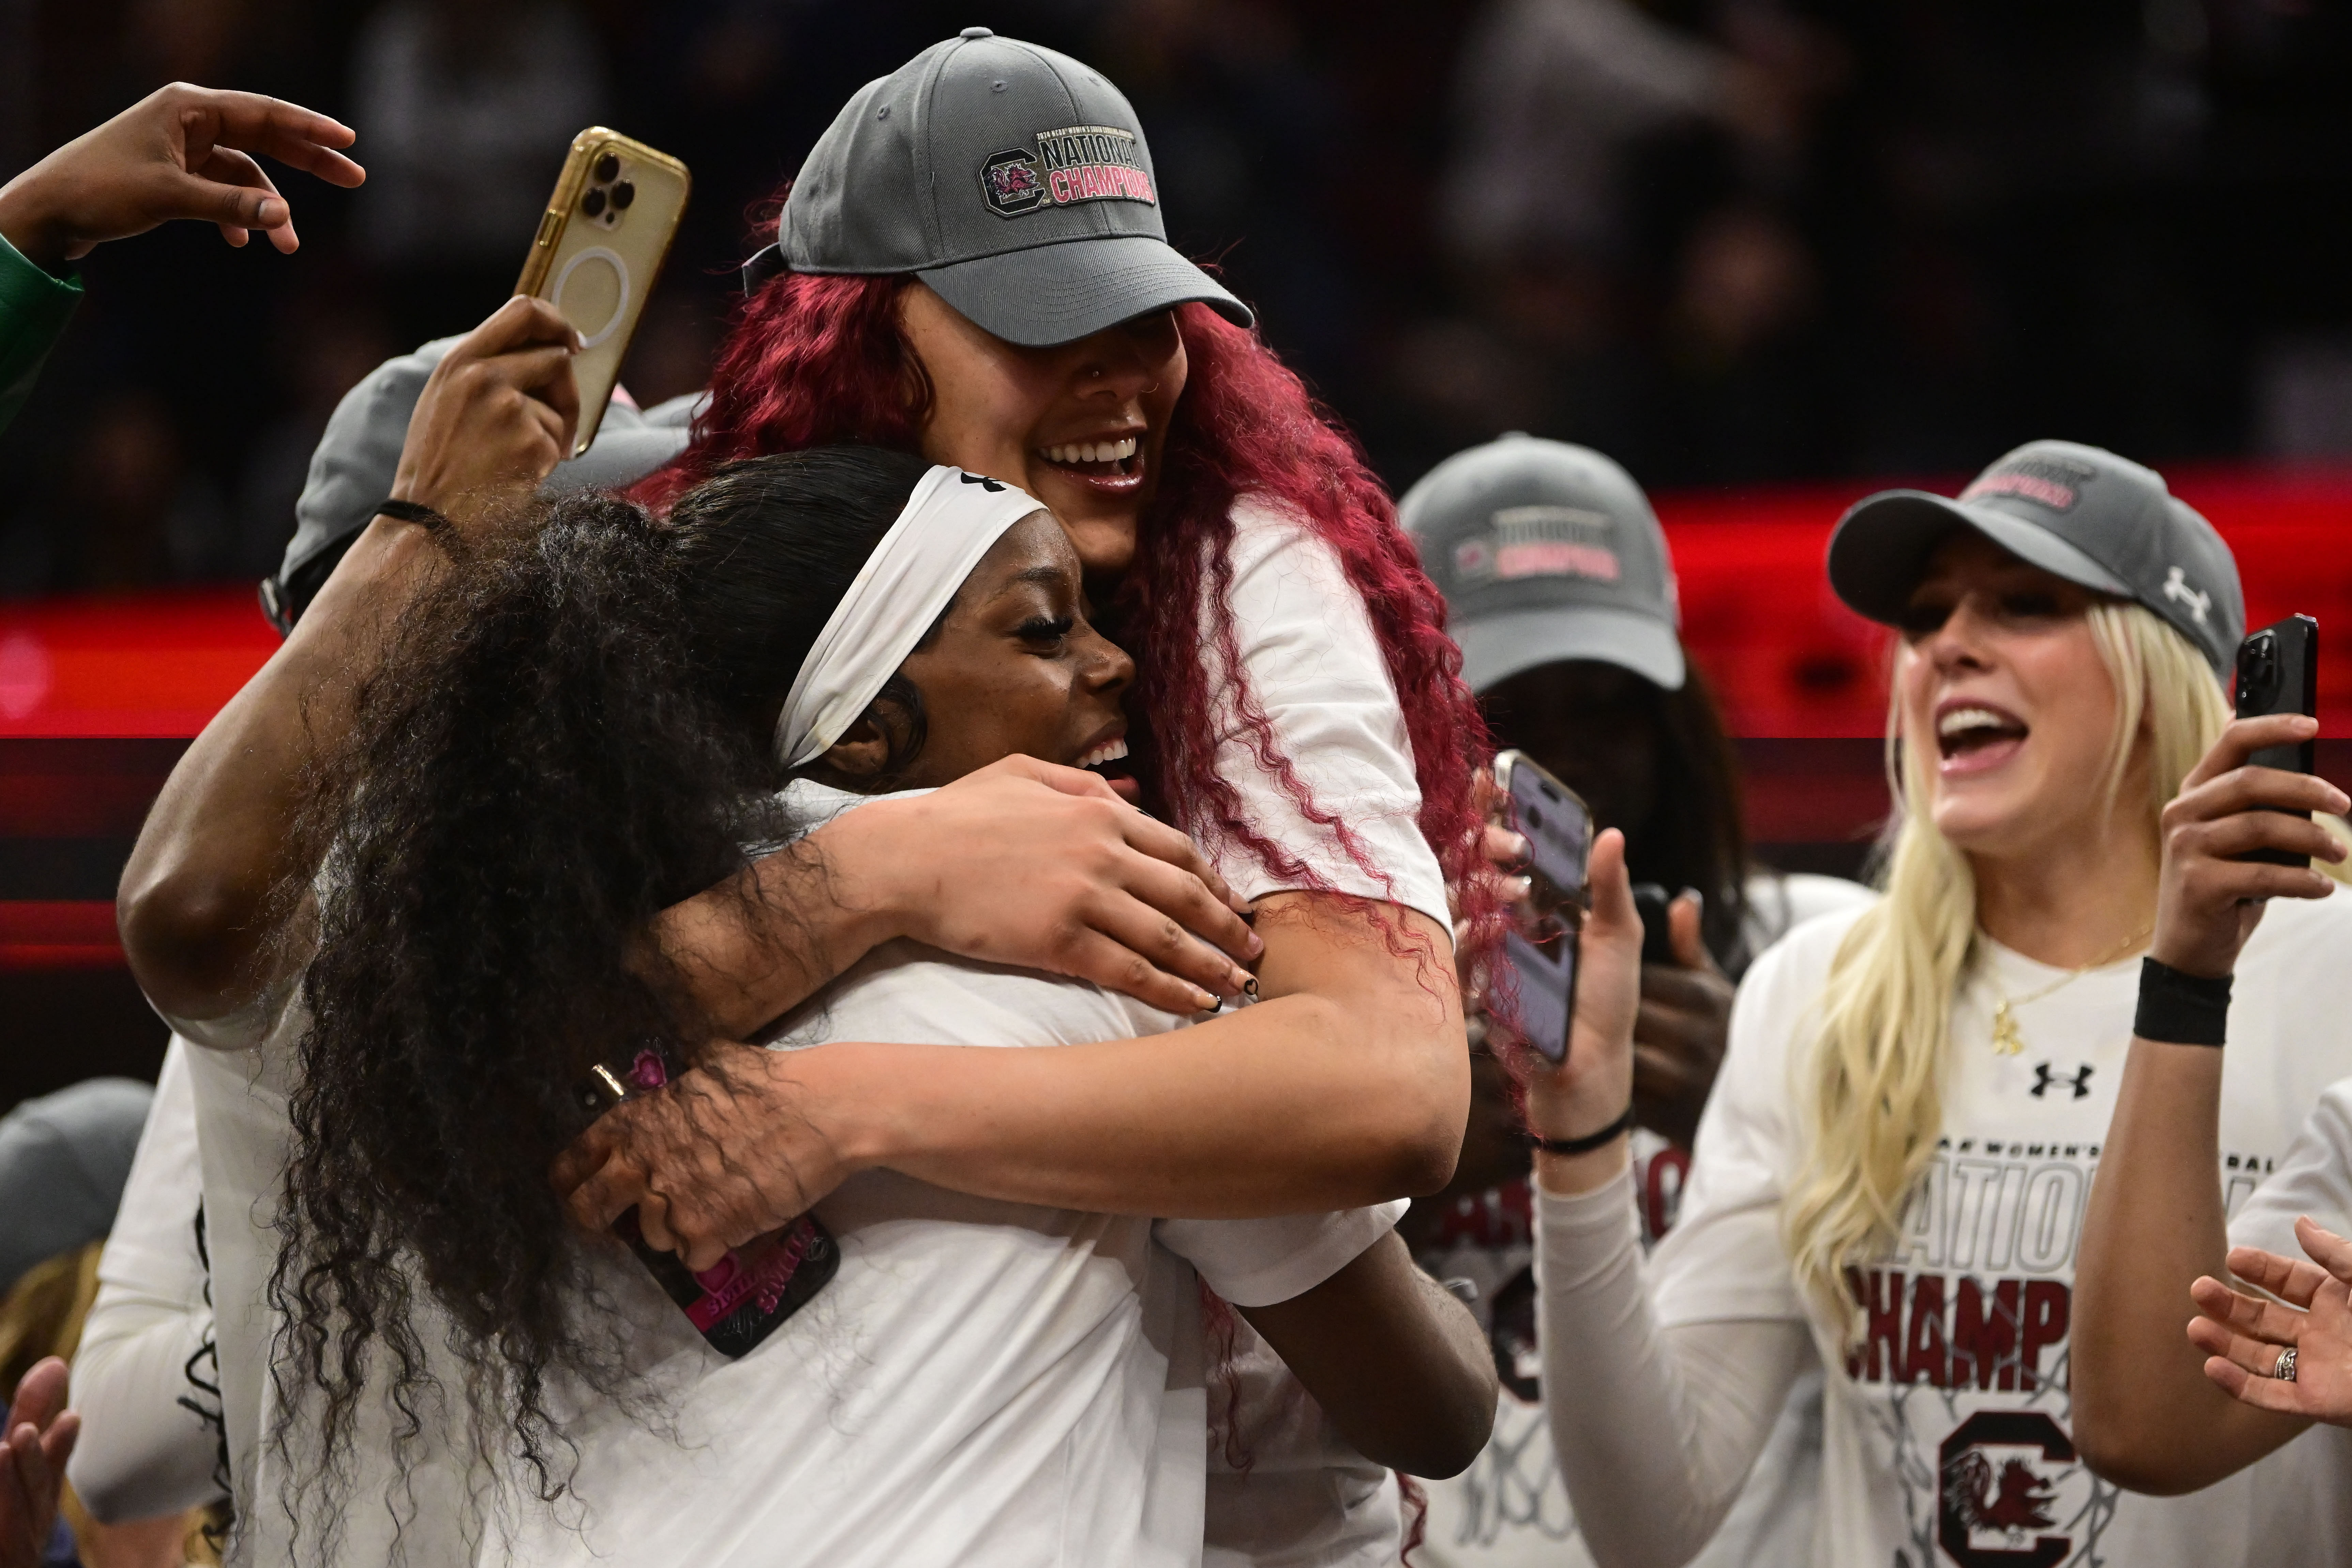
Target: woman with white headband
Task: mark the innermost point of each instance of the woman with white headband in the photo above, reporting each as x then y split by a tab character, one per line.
1296	699
574	723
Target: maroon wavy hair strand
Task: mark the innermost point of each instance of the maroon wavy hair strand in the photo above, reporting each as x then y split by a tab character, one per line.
812	360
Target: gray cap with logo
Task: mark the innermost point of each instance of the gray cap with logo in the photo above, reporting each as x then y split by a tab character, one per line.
2077	512
1547	552
1011	179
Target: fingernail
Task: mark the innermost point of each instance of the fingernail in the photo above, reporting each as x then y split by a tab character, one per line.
273	212
1518	843
1249	987
1204	1003
1256	944
1518	888
1238	979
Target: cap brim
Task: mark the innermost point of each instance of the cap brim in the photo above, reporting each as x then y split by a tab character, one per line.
1497	648
1882	545
1052	294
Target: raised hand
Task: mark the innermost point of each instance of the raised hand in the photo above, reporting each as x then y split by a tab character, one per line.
2208	901
498	413
1680	1033
182	151
2244	1335
32	1454
1594	1082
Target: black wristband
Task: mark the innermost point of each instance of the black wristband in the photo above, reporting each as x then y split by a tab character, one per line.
2181	1009
412	512
1590	1141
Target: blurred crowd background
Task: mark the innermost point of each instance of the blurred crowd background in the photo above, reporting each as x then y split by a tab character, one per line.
1725	240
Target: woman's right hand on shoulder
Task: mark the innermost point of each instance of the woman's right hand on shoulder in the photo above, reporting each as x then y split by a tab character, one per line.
496	414
2209	899
1027	864
1594	1084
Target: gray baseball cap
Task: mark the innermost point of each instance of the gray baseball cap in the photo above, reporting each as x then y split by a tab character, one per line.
2076	511
1013	180
63	1159
1547	552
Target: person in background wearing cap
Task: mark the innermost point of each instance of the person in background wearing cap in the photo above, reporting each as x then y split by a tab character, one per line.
1029	321
1892	1168
63	1159
1560	592
179	153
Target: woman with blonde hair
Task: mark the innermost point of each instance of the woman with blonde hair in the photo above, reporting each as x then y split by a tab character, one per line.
1896	1159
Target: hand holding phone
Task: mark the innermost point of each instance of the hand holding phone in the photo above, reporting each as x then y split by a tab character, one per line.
1559	830
2278	672
599	252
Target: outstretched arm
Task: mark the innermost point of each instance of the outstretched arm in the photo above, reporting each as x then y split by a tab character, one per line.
182	151
178	152
1347	1085
2144	1413
196	896
1020	863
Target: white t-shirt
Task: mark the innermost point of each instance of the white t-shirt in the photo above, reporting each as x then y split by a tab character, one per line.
2313	1177
981	1382
1945	1430
143	1452
1285	1490
1511	1509
1315	670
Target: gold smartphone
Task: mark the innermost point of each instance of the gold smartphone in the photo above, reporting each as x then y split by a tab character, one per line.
600	251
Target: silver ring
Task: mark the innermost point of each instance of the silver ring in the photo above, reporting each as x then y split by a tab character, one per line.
2284	1371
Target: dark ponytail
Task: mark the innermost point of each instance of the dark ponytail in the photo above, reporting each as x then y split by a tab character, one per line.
569	732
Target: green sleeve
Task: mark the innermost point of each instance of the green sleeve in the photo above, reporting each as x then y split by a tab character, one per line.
34	306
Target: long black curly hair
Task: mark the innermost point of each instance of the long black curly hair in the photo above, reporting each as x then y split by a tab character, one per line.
569	731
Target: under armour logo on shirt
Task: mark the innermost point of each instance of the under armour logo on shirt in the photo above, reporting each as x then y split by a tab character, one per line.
2176	587
993	487
2043	1078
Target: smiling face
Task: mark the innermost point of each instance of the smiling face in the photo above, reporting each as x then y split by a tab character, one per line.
1015	669
1081	425
1998	668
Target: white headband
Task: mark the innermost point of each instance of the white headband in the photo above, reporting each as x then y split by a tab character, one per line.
948	525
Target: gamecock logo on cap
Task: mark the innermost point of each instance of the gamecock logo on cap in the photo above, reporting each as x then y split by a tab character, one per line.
1010	183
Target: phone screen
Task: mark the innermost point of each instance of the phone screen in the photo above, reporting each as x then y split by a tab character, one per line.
1558	827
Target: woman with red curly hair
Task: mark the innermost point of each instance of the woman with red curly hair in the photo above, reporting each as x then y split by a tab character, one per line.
963	280
953	279
1306	721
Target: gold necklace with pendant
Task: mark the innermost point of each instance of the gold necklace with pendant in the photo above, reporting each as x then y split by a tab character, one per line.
2005	1041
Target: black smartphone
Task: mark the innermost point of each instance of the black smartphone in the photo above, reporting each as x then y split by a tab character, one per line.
1657	938
1559	830
2278	672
